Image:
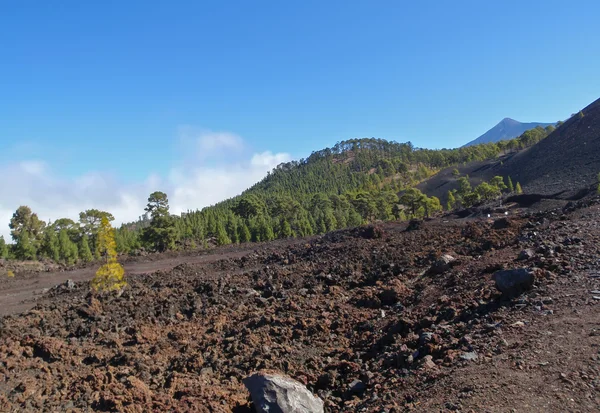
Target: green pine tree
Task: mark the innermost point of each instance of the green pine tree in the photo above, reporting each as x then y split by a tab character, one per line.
244	233
3	248
49	247
161	234
511	188
451	200
518	188
24	248
85	253
67	248
285	230
222	238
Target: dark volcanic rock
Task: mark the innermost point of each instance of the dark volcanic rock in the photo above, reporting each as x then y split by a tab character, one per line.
279	394
526	254
442	264
501	223
515	281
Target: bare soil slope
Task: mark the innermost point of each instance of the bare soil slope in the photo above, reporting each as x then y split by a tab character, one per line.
355	317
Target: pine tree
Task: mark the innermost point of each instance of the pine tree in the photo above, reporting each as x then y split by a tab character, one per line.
111	275
244	233
511	188
285	230
222	238
67	249
3	248
84	249
354	219
50	247
451	200
518	188
161	234
231	228
264	230
24	248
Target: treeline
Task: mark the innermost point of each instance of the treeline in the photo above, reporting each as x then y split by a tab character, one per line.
354	182
63	240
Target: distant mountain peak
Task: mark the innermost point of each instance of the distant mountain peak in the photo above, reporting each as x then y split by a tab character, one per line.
507	128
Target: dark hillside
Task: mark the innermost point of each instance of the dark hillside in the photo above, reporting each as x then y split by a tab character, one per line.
567	160
562	164
478	172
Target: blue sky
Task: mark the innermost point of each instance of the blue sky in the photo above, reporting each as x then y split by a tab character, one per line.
132	91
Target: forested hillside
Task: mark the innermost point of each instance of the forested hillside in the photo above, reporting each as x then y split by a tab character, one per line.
355	182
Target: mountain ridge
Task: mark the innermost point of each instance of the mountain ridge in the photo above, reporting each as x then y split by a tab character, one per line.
507	128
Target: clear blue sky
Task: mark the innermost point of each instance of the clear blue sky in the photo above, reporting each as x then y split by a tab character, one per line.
86	84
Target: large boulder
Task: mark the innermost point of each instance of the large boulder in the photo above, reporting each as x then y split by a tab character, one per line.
272	393
512	282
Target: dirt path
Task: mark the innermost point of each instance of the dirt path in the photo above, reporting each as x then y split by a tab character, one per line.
21	294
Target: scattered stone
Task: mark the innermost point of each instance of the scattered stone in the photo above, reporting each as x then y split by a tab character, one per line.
427	362
441	265
279	394
513	282
526	255
357	386
469	356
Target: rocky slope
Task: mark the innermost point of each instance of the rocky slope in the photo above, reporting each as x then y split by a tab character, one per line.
369	319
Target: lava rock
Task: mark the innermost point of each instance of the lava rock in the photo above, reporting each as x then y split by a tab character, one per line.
357	387
273	393
427	362
395	291
501	223
414	224
511	282
526	254
441	265
469	356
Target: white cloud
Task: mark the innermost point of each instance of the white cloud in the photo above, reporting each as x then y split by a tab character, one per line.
189	185
33	167
205	143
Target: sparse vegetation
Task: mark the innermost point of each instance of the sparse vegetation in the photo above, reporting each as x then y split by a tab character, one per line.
111	275
518	189
466	196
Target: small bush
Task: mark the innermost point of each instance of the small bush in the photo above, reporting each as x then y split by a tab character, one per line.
10	274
